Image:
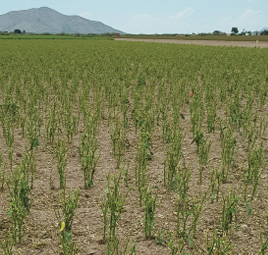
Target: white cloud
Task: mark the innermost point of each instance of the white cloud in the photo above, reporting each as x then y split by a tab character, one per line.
248	16
180	22
249	19
140	23
182	15
146	23
86	15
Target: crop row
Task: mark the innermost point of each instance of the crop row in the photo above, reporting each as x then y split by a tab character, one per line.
202	109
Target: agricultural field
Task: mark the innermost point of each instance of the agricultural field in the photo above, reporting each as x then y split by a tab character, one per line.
210	42
115	147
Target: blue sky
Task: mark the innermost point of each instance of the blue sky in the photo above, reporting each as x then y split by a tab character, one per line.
159	16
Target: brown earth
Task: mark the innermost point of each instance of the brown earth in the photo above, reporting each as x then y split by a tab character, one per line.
251	44
41	227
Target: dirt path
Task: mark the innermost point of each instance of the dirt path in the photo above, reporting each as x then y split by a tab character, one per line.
250	44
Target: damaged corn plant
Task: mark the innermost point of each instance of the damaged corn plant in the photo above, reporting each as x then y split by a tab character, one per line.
166	143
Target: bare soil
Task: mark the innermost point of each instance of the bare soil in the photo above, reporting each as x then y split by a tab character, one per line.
41	228
260	44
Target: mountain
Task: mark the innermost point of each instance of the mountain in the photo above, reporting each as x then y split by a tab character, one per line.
46	20
264	29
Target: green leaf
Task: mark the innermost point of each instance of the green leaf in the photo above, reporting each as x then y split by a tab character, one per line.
249	208
191	244
213	196
68	236
232	210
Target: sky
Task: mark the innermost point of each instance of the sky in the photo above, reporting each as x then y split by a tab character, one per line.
159	16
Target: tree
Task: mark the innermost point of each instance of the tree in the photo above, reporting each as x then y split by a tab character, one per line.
234	30
217	32
17	31
264	32
243	32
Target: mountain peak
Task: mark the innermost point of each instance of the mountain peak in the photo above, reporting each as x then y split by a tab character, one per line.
44	8
46	20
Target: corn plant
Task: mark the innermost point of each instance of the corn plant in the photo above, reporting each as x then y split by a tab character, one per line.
137	114
228	145
196	110
65	219
33	128
162	237
264	245
211	108
114	247
143	156
126	175
203	149
9	111
119	141
182	180
124	102
161	115
7	245
228	210
52	124
253	171
215	182
264	239
69	121
112	207
188	213
247	112
217	243
172	162
149	208
263	126
89	155
61	152
251	136
197	208
183	211
28	166
176	245
235	113
198	139
9	138
71	126
203	152
2	172
19	202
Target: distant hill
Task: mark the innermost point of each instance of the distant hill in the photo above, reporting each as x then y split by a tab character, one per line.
46	20
264	29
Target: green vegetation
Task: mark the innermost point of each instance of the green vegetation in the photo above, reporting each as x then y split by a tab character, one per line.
183	127
17	35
